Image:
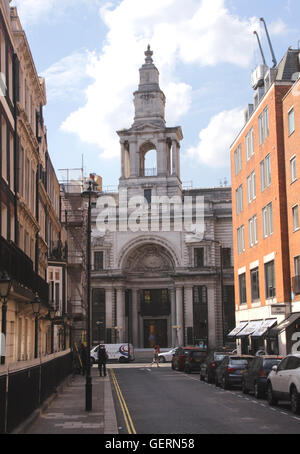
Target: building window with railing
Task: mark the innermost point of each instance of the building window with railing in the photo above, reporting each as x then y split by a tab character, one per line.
249	144
270	280
293	166
255	293
263	125
98	260
242	289
267	220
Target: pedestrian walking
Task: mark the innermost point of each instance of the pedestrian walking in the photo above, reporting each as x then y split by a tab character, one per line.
102	360
155	355
84	357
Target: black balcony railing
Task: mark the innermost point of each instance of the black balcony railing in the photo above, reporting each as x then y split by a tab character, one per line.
296	285
58	251
19	267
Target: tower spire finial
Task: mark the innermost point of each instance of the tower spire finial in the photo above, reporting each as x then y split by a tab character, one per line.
149	54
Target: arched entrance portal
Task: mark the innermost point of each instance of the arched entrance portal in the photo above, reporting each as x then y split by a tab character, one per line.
148	270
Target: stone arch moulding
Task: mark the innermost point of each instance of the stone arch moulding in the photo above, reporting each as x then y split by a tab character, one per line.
146	241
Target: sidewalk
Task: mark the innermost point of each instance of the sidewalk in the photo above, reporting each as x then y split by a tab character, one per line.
66	414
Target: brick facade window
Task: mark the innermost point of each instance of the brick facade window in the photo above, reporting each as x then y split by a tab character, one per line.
238	160
255	293
293	169
241	239
265	172
295	210
253	231
249	139
267	220
242	289
270	280
239	195
251	187
291	122
263	124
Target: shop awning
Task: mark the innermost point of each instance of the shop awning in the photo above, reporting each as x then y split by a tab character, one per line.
285	324
250	329
236	330
264	328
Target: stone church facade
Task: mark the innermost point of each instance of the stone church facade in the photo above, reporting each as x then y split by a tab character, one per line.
152	284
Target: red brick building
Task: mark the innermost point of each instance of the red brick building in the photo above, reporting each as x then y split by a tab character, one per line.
262	211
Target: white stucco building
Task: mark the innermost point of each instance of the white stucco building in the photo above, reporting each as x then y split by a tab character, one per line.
160	284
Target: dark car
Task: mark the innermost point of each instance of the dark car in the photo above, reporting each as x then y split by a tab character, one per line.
255	377
209	366
231	370
179	358
193	360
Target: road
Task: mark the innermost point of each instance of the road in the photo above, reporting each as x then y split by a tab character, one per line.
162	401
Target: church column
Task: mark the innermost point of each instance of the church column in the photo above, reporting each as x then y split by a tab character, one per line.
120	315
211	298
123	160
188	306
179	315
174	157
173	315
162	158
135	317
134	159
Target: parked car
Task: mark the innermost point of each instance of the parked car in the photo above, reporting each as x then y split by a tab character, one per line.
209	366
255	377
284	382
117	352
178	360
166	356
231	370
193	360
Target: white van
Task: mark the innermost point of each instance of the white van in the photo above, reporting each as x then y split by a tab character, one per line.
117	352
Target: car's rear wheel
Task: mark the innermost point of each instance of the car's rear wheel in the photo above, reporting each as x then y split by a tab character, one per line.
162	359
295	401
270	396
122	359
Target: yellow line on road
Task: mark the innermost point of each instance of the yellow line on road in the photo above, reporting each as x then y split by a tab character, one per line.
124	408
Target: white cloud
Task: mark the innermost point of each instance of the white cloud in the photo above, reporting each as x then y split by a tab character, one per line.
32	11
216	139
190	32
278	27
66	77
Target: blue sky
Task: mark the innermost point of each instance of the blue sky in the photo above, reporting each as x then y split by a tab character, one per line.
90	51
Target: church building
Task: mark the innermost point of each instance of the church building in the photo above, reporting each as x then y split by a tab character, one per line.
156	278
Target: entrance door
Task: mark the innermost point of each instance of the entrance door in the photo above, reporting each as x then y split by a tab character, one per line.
155	332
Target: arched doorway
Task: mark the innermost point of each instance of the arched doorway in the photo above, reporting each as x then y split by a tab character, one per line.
148	269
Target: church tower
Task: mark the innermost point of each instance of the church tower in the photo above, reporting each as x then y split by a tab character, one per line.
149	133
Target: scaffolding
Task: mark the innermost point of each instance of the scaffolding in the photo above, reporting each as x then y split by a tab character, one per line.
73	218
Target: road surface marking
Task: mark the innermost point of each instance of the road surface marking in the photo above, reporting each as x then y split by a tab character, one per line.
126	414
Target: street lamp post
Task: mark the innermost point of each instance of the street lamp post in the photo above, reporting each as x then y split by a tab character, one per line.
36	305
5	286
88	387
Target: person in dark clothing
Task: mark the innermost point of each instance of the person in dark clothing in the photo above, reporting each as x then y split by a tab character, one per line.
102	360
84	358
